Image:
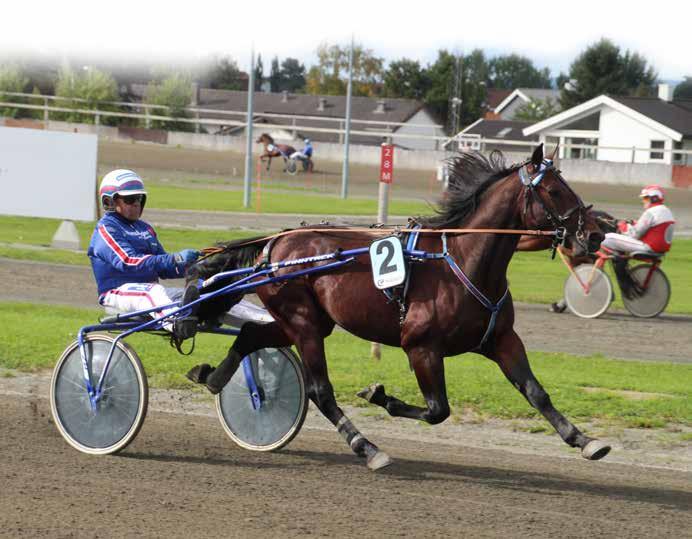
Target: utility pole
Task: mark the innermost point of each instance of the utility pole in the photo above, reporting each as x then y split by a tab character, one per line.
248	131
344	176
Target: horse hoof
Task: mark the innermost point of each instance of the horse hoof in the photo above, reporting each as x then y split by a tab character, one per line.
199	373
369	392
379	460
595	450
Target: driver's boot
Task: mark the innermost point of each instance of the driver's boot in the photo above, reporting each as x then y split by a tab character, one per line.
186	328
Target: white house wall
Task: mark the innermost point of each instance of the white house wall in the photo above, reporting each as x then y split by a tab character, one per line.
421	117
617	129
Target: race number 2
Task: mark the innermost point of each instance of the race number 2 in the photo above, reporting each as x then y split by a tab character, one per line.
387	258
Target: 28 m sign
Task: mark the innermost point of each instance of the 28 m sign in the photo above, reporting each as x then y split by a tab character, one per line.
387	163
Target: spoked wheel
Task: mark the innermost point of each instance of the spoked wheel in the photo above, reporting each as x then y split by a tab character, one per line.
655	298
118	416
596	301
280	381
291	166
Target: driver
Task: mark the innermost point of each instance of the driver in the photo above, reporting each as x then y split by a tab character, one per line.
652	232
305	155
128	260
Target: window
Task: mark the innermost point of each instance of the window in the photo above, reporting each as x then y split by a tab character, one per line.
657	145
581	152
679	158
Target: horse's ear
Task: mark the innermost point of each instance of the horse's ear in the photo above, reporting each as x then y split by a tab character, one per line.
537	157
552	155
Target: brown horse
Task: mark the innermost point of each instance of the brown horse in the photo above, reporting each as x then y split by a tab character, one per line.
271	149
443	317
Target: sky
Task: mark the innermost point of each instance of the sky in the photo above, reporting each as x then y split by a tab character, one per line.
551	34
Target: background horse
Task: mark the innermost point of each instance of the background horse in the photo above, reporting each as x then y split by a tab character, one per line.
443	317
276	150
606	223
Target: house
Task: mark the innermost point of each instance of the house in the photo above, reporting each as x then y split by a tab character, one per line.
508	107
300	113
496	130
625	129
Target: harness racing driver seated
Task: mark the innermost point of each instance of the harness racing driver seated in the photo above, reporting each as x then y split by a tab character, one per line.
128	260
651	233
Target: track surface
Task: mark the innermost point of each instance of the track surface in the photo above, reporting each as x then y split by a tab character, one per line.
182	477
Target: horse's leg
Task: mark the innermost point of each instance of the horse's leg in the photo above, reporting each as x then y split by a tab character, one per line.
252	337
510	355
428	366
311	348
269	162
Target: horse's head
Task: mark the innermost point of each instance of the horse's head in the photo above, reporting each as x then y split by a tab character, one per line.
550	203
265	138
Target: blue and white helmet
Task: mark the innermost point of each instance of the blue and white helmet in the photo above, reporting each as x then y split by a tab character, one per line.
121	182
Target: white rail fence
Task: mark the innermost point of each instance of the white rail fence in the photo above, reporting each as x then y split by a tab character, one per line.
384	129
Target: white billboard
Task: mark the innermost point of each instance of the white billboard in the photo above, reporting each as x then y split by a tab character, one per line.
48	174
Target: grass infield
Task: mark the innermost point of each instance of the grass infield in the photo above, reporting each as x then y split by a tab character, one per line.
625	393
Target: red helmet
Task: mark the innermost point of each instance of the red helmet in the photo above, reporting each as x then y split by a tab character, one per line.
653	191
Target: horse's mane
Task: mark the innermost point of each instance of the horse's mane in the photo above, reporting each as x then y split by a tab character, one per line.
268	137
470	175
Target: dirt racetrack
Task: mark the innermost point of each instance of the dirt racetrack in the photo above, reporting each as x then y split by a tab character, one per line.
182	477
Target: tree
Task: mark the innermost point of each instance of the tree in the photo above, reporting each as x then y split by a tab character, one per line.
471	71
91	85
513	71
292	75
174	92
602	69
275	76
684	89
441	74
259	73
405	78
12	79
329	76
537	109
224	74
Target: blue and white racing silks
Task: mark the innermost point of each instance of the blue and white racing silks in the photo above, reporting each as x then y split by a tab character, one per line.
124	252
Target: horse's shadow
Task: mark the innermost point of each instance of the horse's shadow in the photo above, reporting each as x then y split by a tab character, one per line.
421	472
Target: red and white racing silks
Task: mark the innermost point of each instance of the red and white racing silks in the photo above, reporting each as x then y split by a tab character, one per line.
652	232
655	228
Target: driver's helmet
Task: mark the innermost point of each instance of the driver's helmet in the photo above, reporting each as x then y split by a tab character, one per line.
120	182
654	192
307	141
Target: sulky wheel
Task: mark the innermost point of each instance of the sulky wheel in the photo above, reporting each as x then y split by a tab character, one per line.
656	295
114	421
276	414
596	301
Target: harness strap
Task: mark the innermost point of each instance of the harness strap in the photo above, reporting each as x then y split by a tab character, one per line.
494	308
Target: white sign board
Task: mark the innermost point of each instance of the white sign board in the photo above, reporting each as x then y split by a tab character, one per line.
48	174
387	259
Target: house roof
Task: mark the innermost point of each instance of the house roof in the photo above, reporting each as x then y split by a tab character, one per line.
495	96
673	118
676	114
362	108
500	129
527	94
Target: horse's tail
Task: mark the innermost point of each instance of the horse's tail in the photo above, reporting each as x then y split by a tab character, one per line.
605	221
228	256
630	288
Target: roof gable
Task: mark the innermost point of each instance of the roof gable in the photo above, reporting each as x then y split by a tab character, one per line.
597	103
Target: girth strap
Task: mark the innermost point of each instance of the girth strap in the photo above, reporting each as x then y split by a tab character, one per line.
494	308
